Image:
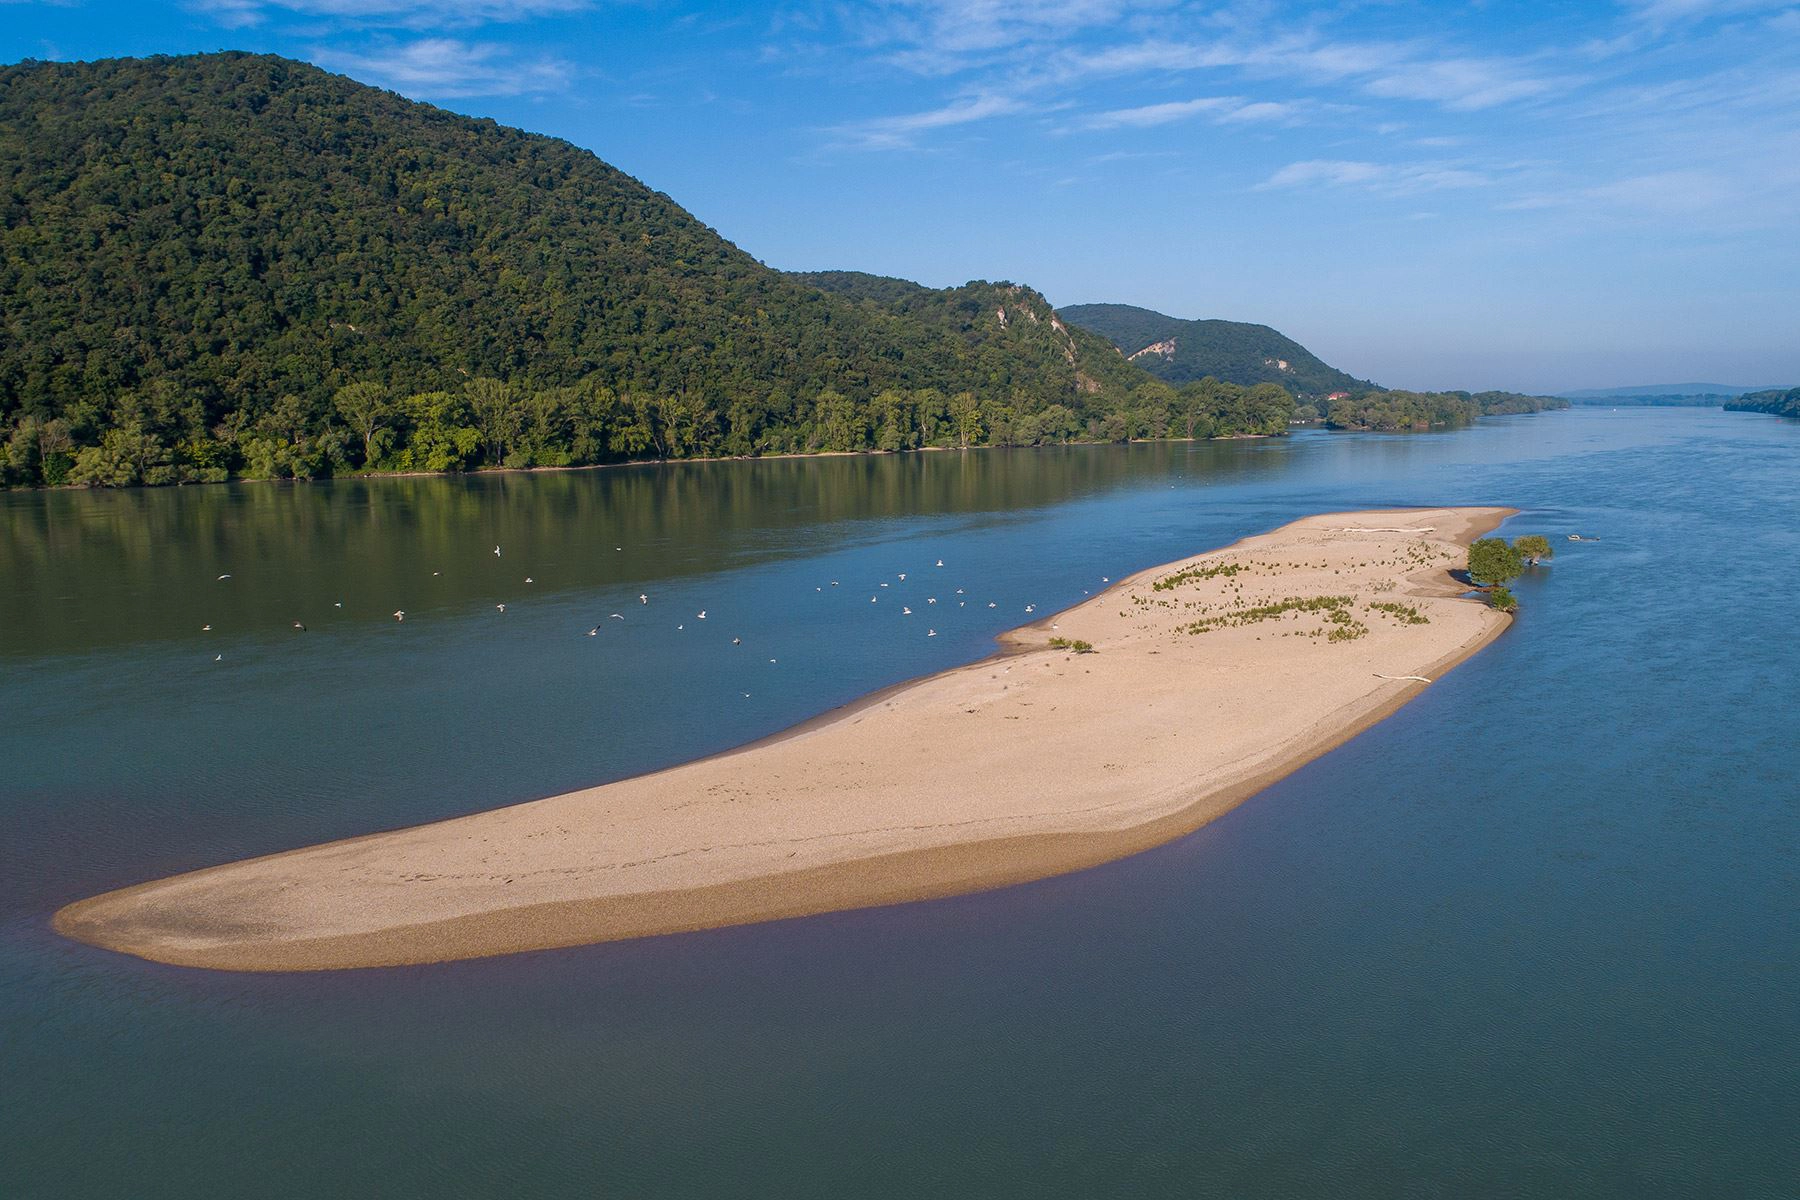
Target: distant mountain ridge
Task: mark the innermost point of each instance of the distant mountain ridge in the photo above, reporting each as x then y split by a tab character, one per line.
1180	351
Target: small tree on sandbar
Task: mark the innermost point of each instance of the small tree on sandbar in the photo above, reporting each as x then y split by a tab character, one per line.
1492	565
1535	548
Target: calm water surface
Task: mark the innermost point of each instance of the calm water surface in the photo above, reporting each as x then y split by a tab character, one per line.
1537	935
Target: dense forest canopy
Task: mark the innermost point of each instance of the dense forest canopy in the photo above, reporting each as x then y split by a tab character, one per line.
1180	351
1394	411
1780	403
237	264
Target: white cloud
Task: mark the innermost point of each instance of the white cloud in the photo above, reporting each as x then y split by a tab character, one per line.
1159	114
1461	83
1222	109
402	14
901	132
446	68
1391	179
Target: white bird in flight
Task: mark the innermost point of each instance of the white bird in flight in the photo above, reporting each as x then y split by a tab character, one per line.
225	577
1030	607
931	633
496	552
529	579
206	628
701	614
501	607
643	599
903	576
940	562
594	632
905	611
616	616
399	614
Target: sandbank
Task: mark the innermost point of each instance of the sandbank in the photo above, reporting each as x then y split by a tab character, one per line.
1210	677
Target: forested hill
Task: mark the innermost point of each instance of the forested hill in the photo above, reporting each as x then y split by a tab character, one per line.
986	316
1240	353
236	263
1780	403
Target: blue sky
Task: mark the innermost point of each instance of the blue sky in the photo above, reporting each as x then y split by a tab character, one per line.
1517	195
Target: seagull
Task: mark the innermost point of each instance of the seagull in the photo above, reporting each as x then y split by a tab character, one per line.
529	579
1104	579
834	583
737	641
496	552
435	574
501	607
679	628
872	599
594	632
931	599
300	627
206	628
616	616
643	599
224	577
1030	607
337	604
962	604
218	658
903	577
701	614
905	611
931	633
399	614
959	591
771	660
1415	678
884	585
940	562
991	604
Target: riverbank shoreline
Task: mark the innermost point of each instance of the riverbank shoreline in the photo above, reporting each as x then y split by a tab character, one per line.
897	797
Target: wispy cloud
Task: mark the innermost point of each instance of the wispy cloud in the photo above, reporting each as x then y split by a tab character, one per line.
399	14
1221	109
1393	179
446	68
902	132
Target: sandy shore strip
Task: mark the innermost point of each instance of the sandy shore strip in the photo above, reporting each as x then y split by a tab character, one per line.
1209	678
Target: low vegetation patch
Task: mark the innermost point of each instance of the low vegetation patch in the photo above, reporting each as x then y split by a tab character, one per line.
1406	614
1336	610
1076	644
1169	583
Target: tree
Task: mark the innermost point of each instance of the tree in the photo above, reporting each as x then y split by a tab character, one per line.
1492	565
368	410
1534	547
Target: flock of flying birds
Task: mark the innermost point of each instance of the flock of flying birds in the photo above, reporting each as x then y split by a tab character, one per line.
644	599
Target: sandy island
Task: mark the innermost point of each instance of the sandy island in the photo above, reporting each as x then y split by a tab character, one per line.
1209	678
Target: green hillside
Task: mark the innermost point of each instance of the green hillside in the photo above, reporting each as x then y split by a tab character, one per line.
1233	351
237	263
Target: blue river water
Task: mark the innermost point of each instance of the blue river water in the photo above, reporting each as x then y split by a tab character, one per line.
1538	934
